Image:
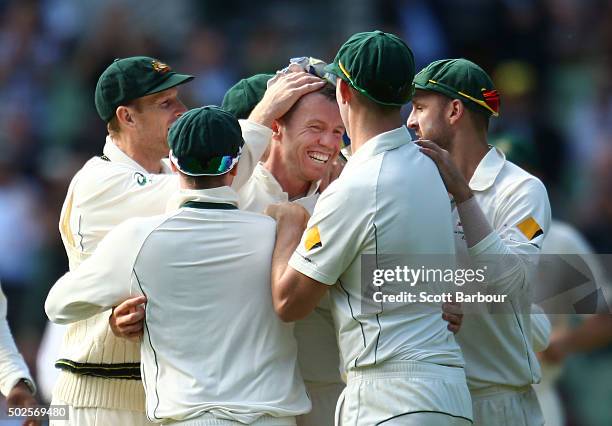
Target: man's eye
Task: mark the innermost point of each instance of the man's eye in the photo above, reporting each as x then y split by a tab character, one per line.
164	104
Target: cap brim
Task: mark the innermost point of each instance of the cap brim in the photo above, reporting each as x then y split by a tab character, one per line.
172	81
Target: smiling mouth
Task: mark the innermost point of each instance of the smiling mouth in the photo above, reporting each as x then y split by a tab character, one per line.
318	157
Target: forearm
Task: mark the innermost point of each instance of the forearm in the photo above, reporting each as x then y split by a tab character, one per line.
12	366
287	239
475	225
504	269
66	303
256	140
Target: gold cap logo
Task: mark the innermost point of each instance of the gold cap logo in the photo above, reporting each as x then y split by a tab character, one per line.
160	67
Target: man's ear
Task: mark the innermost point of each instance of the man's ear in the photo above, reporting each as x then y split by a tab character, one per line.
234	170
124	116
276	130
173	167
456	110
345	91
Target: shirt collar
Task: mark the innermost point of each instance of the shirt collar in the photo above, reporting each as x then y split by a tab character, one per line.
222	194
116	155
382	142
267	178
487	170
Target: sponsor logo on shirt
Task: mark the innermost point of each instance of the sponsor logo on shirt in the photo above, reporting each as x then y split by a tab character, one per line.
530	228
313	239
140	178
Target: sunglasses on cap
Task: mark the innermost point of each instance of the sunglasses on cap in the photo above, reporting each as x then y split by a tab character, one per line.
214	166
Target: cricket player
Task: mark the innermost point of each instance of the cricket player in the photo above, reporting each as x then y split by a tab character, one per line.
292	172
501	213
138	99
404	366
305	142
214	351
16	383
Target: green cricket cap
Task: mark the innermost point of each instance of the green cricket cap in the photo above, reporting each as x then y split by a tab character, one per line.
130	78
243	96
205	141
461	79
378	65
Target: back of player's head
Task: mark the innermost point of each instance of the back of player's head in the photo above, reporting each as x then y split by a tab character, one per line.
205	141
378	65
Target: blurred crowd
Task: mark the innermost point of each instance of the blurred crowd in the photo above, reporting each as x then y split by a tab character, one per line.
551	61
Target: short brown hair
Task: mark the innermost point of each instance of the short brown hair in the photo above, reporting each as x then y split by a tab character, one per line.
328	91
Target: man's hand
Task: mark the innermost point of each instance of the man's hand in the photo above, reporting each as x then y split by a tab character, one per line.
291	215
453	179
281	96
334	169
127	319
453	314
21	397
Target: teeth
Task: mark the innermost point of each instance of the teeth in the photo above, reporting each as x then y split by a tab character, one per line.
319	156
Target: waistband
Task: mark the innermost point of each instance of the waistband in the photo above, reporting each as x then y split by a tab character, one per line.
208	419
497	390
127	371
408	368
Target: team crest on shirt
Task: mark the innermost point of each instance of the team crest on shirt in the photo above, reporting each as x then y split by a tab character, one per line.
313	239
530	228
140	179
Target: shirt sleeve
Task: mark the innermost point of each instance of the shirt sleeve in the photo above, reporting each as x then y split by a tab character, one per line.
12	366
540	328
256	139
511	251
100	282
335	235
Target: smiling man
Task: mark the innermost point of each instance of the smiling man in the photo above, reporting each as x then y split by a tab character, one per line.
403	365
137	97
305	141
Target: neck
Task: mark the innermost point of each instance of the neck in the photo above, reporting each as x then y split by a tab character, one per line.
289	182
131	148
364	125
467	151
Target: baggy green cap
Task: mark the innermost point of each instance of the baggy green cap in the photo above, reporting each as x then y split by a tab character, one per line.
378	65
205	141
461	79
243	96
130	78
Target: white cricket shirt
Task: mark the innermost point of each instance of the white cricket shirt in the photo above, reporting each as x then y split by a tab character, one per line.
212	341
498	348
389	199
105	192
318	355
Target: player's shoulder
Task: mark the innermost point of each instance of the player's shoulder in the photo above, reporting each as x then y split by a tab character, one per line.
99	169
252	218
514	179
138	228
